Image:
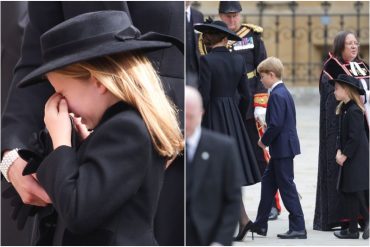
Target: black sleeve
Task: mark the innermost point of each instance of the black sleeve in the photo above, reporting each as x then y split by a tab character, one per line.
117	158
24	111
205	77
243	88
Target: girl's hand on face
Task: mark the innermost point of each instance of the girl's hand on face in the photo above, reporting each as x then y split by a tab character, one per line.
81	128
57	120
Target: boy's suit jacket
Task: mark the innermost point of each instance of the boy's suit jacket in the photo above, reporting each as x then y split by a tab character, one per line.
281	133
215	191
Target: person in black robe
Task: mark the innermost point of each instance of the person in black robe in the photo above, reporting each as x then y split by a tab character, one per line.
343	59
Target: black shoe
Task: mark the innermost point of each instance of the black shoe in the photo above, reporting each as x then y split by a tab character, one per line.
259	230
273	214
346	234
365	235
293	235
243	231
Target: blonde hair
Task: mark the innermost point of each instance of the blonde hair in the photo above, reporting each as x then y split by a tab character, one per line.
353	95
271	64
132	78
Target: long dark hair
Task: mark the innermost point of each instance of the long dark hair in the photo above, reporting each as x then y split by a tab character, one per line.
339	45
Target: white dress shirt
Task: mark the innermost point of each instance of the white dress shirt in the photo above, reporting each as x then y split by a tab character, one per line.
274	85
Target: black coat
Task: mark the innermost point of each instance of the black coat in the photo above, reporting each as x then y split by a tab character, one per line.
355	145
252	49
106	193
222	77
21	118
14	19
215	192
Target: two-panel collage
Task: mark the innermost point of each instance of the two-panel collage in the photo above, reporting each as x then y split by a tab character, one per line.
185	123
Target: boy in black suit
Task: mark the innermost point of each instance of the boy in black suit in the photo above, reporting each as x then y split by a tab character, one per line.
282	139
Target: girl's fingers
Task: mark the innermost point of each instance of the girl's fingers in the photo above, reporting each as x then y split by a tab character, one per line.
63	107
53	102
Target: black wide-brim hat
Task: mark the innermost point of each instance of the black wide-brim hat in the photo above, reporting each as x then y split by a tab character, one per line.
349	80
217	26
92	35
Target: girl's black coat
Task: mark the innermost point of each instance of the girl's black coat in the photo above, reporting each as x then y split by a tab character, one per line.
354	144
107	192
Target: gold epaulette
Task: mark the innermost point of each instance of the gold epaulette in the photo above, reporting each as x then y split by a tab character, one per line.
260	99
254	27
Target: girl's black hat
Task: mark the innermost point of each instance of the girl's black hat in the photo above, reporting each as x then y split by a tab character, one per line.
349	80
92	35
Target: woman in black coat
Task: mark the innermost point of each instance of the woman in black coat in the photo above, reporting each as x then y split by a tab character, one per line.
222	80
352	155
106	190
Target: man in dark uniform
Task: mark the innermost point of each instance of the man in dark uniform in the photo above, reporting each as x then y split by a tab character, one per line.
193	17
253	109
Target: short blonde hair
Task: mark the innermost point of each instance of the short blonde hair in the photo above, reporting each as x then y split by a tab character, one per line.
271	64
132	78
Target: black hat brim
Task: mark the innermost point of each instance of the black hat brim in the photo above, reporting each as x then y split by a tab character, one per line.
215	28
113	47
361	91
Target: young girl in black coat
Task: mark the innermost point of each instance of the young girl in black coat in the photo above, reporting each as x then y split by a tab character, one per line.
106	192
352	155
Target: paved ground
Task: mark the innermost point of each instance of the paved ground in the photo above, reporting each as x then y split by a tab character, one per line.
307	104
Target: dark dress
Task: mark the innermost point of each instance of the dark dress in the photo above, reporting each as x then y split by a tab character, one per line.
253	51
326	217
222	77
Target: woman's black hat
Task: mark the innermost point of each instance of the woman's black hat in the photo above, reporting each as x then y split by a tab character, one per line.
349	80
92	35
229	7
216	27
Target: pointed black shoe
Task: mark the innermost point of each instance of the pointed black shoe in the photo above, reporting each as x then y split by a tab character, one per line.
365	235
346	234
293	235
244	231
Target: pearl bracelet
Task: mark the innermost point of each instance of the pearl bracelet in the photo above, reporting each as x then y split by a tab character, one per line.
7	161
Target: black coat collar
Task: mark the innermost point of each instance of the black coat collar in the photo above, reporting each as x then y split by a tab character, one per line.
220	49
347	105
113	110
